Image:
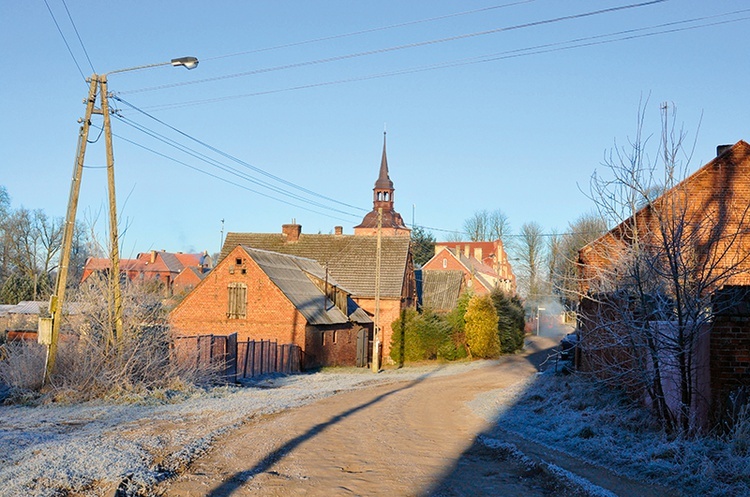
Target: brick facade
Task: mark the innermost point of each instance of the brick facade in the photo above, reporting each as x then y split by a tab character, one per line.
730	356
270	315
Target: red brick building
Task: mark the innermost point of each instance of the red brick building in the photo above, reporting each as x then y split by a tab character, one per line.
263	295
708	215
350	260
490	255
156	266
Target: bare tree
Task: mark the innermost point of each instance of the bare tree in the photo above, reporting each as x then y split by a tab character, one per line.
530	253
563	256
652	281
486	226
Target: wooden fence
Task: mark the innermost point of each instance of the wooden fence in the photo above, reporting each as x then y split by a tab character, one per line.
235	360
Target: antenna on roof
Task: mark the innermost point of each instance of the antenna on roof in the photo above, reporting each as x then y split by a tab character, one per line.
221	240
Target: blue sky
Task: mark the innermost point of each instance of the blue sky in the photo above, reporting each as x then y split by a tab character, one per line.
522	134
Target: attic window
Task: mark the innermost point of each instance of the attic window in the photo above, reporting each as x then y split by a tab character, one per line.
238	261
243	270
445	263
237	301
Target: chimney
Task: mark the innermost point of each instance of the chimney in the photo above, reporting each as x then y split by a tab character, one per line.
466	250
292	231
338	230
478	253
720	149
153	256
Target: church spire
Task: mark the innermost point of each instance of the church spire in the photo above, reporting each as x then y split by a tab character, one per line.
382	199
384	182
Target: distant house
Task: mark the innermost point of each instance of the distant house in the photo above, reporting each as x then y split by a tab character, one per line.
21	321
262	295
490	254
479	267
156	266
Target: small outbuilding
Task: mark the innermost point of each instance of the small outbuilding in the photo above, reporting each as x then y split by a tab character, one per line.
262	295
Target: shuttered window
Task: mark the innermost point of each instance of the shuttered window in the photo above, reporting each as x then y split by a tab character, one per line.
237	304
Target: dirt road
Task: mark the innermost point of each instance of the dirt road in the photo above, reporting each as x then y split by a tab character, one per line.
399	439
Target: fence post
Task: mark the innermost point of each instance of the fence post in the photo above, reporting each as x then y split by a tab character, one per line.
231	357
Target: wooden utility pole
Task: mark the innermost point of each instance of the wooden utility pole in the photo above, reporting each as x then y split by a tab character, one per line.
377	338
49	332
49	328
114	251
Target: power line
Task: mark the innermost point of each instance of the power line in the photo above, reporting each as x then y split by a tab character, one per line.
65	40
508	54
224	167
85	52
398	47
225	180
237	160
370	30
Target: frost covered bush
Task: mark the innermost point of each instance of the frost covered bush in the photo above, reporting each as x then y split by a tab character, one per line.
92	362
579	416
22	365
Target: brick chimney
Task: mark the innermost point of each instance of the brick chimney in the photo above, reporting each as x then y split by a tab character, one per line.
292	231
338	230
720	149
153	256
478	253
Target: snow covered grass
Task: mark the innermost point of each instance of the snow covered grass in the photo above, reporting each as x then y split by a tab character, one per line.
576	416
81	449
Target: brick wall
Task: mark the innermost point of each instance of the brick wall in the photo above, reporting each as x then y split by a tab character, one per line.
270	315
729	359
332	346
390	309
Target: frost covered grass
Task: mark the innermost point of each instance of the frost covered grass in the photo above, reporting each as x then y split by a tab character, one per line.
84	449
576	416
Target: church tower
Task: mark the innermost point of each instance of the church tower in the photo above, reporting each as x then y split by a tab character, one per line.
382	198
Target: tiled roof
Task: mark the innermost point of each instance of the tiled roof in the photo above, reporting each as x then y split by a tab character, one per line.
350	259
288	274
441	289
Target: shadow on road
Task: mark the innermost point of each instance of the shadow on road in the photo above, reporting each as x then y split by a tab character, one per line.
235	481
503	463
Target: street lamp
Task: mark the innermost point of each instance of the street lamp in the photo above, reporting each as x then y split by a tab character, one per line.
537	318
49	328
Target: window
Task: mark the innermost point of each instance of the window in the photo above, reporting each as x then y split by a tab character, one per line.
445	263
237	301
334	336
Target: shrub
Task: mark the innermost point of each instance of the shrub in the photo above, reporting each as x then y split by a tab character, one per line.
91	363
418	336
511	322
481	328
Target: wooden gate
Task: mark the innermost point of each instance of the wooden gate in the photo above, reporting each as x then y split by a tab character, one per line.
362	348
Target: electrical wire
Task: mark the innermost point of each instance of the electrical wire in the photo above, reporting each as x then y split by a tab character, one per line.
65	40
225	180
508	54
224	167
395	48
85	52
366	31
235	159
